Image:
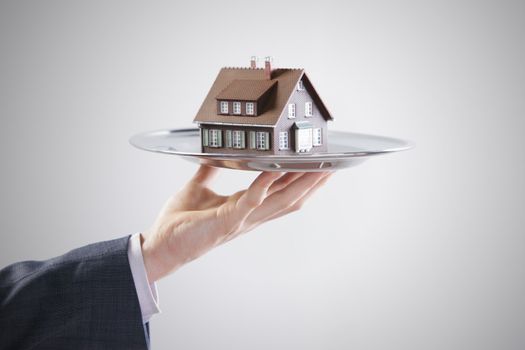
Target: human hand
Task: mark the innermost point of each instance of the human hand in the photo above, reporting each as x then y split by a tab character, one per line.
196	219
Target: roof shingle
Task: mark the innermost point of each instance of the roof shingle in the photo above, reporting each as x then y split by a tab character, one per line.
245	90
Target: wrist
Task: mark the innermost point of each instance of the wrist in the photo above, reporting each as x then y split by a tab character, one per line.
152	266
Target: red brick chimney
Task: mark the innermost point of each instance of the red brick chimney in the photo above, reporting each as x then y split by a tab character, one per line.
268	67
253	62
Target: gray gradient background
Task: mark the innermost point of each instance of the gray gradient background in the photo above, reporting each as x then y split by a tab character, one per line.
418	250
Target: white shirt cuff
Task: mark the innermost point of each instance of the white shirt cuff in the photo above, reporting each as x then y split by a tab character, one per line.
147	293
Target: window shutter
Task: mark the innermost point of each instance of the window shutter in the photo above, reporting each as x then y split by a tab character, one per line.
266	140
204	134
243	139
252	139
228	137
219	138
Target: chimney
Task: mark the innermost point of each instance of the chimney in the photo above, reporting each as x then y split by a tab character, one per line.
253	62
268	67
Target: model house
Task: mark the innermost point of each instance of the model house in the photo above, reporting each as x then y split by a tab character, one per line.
263	111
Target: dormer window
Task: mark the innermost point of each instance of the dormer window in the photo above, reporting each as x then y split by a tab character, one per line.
300	85
236	108
245	97
250	110
224	107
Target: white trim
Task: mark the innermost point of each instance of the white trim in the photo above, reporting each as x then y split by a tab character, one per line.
300	85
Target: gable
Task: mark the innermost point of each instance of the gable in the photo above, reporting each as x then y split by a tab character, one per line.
316	98
299	99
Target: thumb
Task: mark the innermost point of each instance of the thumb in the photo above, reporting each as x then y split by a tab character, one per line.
204	175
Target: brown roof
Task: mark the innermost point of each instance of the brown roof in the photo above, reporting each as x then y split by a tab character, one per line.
245	90
286	80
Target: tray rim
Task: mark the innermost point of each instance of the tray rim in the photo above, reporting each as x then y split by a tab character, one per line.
282	158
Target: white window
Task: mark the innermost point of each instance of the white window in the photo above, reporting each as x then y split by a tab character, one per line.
263	140
308	109
238	139
284	142
228	138
291	110
236	108
250	110
224	107
303	140
318	135
300	85
215	138
204	133
252	139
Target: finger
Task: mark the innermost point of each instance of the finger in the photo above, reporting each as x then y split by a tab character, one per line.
284	181
253	222
286	197
256	193
246	201
300	202
204	175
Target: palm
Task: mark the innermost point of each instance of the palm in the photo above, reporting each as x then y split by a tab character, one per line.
197	219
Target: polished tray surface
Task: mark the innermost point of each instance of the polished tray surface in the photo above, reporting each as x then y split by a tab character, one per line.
345	149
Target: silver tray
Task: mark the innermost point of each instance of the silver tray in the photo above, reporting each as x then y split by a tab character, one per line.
345	149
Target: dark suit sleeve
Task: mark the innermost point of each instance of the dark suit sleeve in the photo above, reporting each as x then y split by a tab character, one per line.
85	299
